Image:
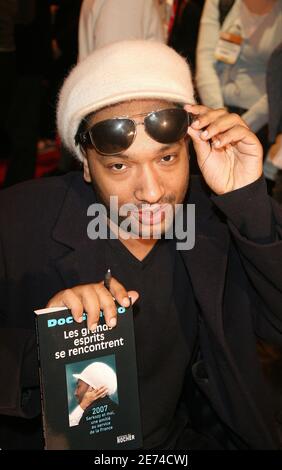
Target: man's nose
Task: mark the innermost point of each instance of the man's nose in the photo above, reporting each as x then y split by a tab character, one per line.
150	188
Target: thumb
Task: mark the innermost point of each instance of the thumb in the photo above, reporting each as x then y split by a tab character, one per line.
201	146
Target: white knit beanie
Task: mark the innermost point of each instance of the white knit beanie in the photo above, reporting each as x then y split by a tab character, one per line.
119	72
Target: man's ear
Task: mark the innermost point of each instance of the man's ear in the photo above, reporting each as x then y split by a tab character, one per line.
86	172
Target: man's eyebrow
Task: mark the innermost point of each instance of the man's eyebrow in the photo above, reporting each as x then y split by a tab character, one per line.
123	156
168	148
173	146
162	149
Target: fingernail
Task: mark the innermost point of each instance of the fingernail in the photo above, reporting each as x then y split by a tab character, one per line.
93	327
80	319
216	143
196	123
204	134
125	302
113	322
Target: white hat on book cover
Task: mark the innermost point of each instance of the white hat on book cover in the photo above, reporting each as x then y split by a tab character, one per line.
99	374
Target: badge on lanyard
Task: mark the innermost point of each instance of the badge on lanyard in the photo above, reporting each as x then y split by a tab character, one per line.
229	46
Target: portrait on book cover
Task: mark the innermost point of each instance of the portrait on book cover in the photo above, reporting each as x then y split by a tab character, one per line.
92	393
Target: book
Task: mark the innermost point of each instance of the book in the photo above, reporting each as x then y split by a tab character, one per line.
89	384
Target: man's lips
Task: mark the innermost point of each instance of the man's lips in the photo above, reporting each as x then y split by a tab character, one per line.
154	214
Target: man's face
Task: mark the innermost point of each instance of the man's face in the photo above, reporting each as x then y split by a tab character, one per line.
150	175
81	388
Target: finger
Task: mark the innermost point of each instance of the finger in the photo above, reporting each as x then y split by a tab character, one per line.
202	147
196	108
91	304
56	301
101	392
221	124
204	120
107	304
238	134
69	299
119	292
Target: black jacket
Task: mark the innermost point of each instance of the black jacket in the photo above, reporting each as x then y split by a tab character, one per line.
236	274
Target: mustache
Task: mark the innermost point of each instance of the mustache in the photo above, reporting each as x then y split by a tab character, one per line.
170	199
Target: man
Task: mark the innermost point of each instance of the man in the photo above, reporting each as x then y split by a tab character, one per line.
197	312
95	382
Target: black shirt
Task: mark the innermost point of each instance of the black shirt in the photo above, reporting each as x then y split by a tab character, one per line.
165	330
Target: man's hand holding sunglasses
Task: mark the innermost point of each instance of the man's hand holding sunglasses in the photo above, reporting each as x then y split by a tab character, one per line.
229	154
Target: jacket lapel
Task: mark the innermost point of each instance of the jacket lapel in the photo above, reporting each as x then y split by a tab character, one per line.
84	259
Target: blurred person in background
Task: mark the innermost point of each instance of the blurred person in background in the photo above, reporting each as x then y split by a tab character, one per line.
232	58
103	22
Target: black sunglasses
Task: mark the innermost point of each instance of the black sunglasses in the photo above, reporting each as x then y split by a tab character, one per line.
113	136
